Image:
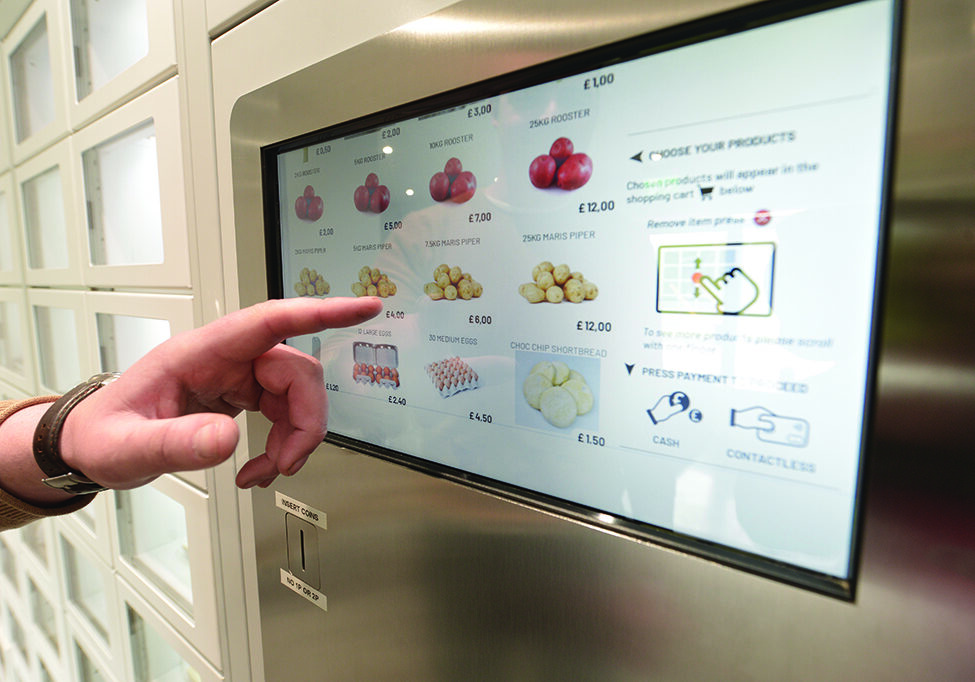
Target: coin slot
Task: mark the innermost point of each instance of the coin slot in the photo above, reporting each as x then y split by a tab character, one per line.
302	539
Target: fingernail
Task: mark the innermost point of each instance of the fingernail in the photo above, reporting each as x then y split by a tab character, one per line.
296	466
205	443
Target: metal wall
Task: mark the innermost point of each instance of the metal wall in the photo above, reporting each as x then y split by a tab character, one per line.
428	580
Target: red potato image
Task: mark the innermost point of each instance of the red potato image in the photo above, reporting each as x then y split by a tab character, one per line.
453	183
574	172
561	149
361	198
440	186
379	201
309	206
561	167
462	188
453	167
542	171
371	197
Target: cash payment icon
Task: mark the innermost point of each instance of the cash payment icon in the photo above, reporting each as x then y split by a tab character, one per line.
771	427
669	405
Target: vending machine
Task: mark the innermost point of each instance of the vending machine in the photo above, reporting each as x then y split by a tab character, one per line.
669	380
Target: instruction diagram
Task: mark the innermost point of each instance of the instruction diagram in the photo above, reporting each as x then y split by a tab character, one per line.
716	279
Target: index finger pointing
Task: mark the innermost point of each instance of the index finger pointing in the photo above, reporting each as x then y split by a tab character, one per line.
712	287
248	333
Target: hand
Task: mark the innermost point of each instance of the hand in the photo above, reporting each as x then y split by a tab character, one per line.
752	418
669	405
734	291
173	409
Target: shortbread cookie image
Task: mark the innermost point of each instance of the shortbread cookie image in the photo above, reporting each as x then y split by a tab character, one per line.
558	407
558	391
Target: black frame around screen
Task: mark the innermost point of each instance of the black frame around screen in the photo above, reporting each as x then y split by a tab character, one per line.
697	31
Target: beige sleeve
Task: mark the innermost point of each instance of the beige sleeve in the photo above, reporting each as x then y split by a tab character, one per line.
14	512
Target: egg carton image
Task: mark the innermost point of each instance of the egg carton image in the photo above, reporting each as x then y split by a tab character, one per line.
452	376
376	376
375	364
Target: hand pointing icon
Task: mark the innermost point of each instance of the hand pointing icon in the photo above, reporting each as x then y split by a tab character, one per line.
733	291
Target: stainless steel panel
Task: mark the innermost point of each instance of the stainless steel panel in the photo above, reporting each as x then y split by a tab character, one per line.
428	580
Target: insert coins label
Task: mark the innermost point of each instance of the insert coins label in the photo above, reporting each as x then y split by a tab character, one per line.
300	509
303	590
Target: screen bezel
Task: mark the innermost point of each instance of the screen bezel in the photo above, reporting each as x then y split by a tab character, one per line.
659	41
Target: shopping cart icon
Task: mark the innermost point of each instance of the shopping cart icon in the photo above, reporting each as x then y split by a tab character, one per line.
706	192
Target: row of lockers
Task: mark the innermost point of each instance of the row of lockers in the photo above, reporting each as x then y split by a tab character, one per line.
112	592
69	62
104	206
151	547
50	339
93	197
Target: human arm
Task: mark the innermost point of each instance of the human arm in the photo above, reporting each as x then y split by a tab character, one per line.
173	409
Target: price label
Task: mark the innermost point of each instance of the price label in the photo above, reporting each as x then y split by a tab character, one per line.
479	217
480	110
390	132
591	326
479	319
393	225
326	231
331	387
480	417
592	439
600	81
397	400
597	206
395	315
323	149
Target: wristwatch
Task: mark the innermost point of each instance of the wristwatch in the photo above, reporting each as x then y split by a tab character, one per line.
47	439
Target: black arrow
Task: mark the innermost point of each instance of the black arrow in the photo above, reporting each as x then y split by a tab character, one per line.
629	367
638	156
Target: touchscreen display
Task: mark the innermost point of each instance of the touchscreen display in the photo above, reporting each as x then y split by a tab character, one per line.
641	290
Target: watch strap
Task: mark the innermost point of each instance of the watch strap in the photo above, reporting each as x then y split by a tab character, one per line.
47	439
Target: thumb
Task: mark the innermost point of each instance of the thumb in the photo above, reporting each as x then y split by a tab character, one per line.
158	446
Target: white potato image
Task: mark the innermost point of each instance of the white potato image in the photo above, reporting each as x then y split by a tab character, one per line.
558	407
561	274
574	291
534	386
554	294
545	280
531	292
